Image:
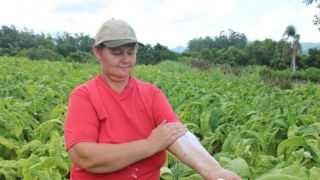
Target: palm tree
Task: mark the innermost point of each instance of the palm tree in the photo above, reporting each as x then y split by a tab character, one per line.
291	34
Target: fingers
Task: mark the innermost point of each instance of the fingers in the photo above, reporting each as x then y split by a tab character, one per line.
178	133
173	131
165	134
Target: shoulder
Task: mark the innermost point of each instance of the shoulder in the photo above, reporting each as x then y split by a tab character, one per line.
83	89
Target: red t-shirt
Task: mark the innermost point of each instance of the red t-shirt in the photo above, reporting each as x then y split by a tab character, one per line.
97	113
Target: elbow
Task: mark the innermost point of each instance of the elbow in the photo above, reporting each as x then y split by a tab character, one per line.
84	163
80	157
83	159
89	164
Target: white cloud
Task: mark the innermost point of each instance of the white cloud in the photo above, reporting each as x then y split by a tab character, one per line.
168	22
176	23
273	24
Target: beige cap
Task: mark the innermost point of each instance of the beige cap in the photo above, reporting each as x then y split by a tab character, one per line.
114	33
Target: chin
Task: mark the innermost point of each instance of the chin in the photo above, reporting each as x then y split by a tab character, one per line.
124	77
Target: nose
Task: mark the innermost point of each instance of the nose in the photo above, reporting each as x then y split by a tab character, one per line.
126	58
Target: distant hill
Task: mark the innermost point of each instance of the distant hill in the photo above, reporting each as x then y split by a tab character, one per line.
178	49
307	45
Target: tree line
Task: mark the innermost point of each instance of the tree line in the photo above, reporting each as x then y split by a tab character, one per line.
65	46
229	47
233	48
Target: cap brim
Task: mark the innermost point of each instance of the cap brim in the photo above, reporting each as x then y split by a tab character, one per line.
120	42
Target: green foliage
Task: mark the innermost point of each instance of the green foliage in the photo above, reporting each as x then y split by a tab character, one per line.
33	99
237	165
14	42
229	47
284	79
257	130
223	41
313	60
40	53
254	120
154	55
81	57
261	52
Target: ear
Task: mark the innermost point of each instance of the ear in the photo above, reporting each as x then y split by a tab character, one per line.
97	52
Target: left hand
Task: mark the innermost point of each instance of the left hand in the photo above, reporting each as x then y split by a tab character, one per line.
223	174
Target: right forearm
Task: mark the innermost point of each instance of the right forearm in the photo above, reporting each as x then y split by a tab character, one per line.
104	158
189	150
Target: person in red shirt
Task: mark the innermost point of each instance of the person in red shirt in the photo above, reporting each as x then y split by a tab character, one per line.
118	127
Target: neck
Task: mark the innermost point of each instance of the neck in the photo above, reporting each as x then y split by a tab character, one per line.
115	84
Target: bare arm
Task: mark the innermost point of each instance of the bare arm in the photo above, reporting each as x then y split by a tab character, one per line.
105	158
188	149
102	158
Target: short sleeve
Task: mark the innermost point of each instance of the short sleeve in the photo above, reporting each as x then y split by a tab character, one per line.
162	109
81	123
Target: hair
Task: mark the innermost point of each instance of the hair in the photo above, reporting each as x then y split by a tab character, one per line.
100	47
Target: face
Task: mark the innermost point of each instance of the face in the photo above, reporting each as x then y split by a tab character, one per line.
117	63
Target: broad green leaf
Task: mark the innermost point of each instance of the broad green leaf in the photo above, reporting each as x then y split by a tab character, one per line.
292	172
309	130
44	129
282	123
237	165
258	137
8	143
27	171
204	121
231	141
58	111
9	174
35	147
165	173
292	131
216	114
11	163
291	144
314	145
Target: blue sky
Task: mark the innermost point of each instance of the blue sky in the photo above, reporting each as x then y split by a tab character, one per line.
168	22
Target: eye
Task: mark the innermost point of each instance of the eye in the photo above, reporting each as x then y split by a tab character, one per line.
116	53
131	53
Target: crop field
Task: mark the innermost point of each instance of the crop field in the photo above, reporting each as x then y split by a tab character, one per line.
255	129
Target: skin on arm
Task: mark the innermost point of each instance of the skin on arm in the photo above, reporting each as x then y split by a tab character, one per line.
189	150
106	158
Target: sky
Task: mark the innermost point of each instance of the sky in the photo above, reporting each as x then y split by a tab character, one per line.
168	22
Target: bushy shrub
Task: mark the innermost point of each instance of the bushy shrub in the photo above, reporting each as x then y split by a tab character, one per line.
81	57
281	79
40	53
310	74
284	78
201	64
